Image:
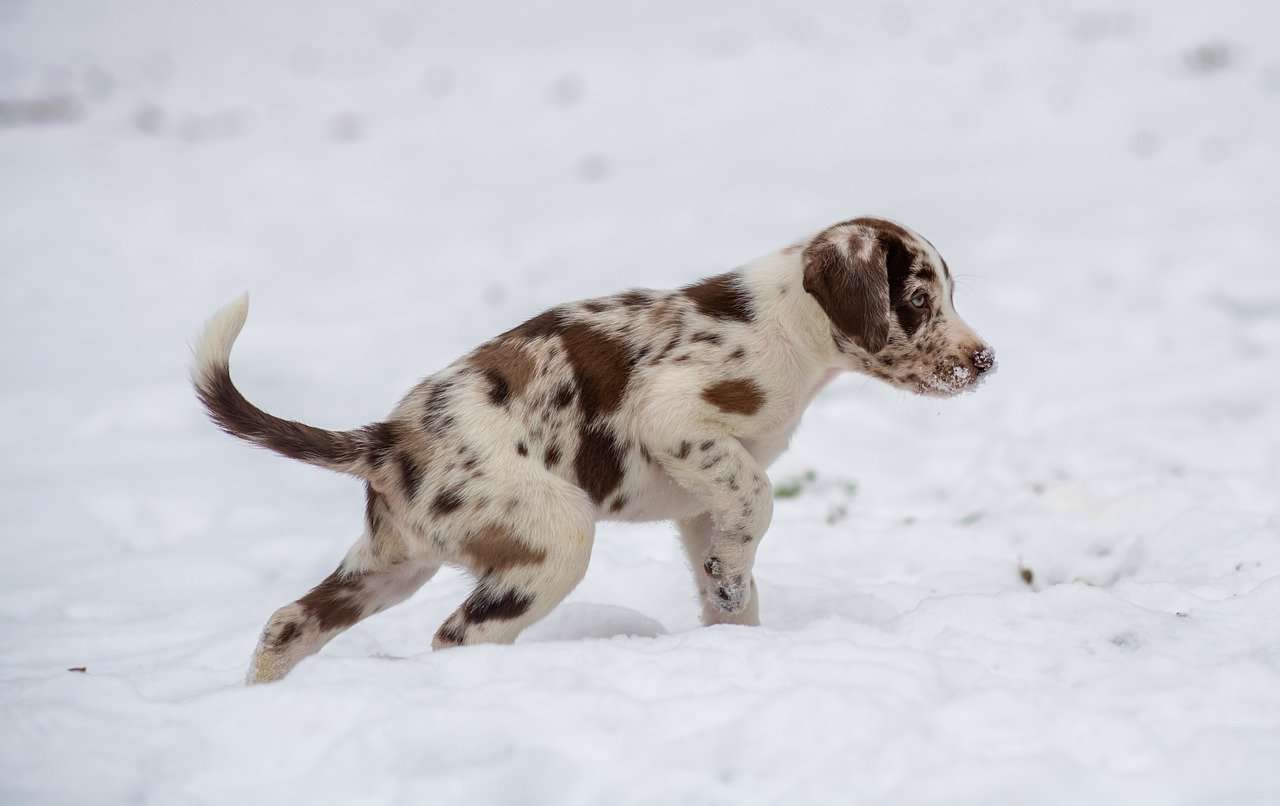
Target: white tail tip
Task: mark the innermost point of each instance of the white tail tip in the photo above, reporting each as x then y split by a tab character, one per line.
213	349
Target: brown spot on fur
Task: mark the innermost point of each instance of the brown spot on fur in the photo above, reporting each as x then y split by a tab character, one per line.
884	227
738	354
494	548
709	338
373	509
635	298
522	449
451	634
447	501
598	464
287	633
683	453
435	409
564	395
671	345
618	504
601	365
382	438
507	366
722	297
487	605
552	457
547	323
499	389
335	602
410	474
735	396
898	262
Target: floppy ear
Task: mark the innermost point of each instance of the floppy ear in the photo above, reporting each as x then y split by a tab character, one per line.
852	288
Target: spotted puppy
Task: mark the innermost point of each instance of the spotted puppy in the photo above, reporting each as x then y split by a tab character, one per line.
647	405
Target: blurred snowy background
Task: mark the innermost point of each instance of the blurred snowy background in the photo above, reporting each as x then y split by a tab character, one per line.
1063	589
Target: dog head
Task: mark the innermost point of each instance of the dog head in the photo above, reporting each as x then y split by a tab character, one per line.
890	299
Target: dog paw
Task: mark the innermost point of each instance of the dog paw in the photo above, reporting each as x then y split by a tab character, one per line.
728	592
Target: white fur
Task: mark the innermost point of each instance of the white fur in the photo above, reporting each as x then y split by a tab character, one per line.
213	348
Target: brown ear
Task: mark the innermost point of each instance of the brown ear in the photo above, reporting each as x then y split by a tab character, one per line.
852	287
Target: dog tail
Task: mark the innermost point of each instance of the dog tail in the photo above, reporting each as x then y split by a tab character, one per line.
353	452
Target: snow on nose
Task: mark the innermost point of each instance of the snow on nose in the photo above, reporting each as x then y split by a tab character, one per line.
984	360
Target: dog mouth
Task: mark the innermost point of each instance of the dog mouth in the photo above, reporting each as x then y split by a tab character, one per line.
950	380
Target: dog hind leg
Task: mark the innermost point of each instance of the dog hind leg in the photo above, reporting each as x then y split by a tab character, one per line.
342	599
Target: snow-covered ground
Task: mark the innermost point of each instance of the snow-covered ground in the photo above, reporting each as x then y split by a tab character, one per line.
1062	589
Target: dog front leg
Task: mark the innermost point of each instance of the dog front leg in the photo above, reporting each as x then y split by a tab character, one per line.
735	490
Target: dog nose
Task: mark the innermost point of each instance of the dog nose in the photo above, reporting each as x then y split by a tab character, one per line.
984	360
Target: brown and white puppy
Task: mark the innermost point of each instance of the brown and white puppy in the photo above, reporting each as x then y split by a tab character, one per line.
647	405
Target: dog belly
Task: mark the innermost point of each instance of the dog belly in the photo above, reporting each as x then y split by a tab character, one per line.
657	498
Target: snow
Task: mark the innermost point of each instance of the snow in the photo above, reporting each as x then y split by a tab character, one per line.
1060	589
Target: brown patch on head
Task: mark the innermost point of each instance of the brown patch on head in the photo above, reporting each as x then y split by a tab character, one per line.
722	297
845	273
495	548
598	463
885	227
507	366
601	365
336	602
735	396
899	259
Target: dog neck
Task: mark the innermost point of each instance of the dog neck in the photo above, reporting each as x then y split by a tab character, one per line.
791	317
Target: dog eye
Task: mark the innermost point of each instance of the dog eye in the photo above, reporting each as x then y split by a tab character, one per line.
920	299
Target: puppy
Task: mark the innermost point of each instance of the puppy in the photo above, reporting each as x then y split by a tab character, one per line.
647	405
